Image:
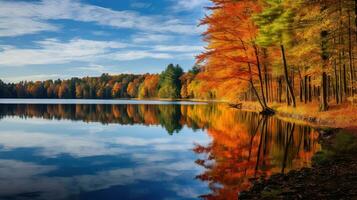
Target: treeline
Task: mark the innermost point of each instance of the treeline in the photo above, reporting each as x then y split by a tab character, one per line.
292	51
172	83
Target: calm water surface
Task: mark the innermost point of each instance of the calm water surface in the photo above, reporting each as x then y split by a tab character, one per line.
142	150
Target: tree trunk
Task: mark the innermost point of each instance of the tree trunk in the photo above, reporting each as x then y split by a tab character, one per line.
301	86
345	89
341	79
310	94
265	108
260	76
356	19
301	90
328	88
350	52
336	83
280	90
286	74
266	78
305	89
287	98
324	104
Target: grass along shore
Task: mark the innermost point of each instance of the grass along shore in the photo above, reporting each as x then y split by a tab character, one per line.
338	116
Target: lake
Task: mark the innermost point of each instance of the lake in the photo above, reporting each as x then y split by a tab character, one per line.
89	149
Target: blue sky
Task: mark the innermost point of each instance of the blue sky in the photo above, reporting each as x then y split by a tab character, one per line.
49	39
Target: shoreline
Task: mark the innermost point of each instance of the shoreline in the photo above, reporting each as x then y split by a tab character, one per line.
332	175
339	116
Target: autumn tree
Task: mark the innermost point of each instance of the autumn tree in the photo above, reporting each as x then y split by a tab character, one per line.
148	88
232	56
275	26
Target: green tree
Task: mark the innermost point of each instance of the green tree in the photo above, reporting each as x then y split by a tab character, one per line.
169	83
275	28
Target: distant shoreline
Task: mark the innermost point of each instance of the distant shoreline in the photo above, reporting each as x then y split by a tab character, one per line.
337	117
99	101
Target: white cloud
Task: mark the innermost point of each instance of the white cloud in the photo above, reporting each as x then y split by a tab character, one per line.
10	26
178	48
20	18
54	145
139	4
23	169
155	158
151	37
187	5
28	178
52	51
139	54
36	77
93	67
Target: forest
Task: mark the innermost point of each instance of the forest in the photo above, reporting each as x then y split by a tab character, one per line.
282	51
171	83
292	52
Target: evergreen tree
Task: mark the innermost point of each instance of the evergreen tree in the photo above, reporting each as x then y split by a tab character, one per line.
169	83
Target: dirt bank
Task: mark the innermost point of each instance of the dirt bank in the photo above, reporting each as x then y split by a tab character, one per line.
333	175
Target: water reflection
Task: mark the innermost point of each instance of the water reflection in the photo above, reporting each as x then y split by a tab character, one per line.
56	153
252	146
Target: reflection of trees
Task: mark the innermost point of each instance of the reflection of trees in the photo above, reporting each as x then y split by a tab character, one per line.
169	116
244	145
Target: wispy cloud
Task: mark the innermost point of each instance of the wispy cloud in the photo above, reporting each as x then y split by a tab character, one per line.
36	77
151	37
139	4
178	48
53	51
93	67
187	5
32	17
136	55
14	26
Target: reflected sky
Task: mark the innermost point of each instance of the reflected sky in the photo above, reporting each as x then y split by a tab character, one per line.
45	159
143	151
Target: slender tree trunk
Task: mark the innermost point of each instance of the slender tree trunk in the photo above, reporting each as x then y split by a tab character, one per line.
301	86
310	92
265	108
271	89
324	78
260	76
301	90
287	95
356	19
345	87
350	52
266	78
341	54
286	74
341	78
324	104
305	89
280	90
336	83
328	88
